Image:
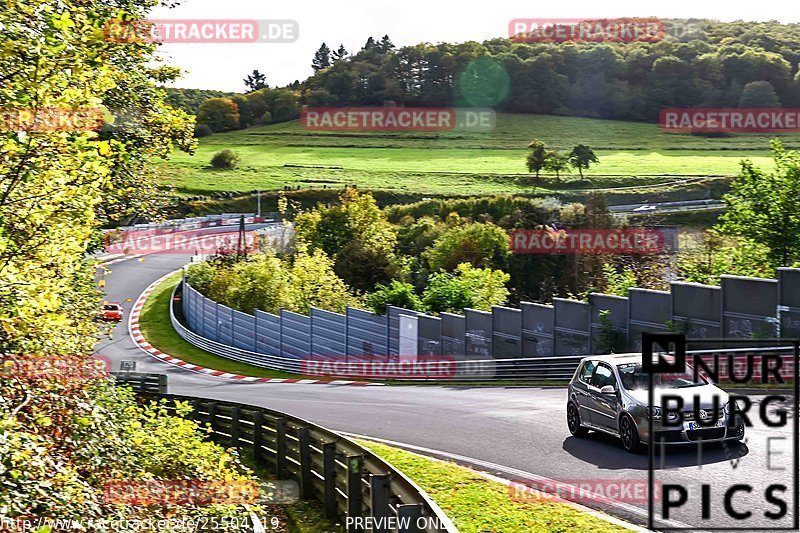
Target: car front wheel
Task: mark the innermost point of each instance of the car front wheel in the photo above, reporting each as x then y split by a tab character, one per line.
574	421
629	434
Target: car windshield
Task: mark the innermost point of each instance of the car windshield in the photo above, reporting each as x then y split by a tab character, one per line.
634	377
111	308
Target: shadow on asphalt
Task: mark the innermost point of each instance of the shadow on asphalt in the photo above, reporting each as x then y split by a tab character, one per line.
605	451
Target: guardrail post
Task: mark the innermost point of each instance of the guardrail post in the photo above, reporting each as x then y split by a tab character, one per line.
355	502
304	440
143	382
280	448
258	436
408	516
236	413
379	508
195	414
329	478
163	388
212	416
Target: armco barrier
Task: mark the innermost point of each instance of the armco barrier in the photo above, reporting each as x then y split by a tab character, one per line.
540	368
348	479
538	342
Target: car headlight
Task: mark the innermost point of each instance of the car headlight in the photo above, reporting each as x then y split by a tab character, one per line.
727	408
655	412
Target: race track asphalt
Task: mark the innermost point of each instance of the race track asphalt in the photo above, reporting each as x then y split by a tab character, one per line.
513	432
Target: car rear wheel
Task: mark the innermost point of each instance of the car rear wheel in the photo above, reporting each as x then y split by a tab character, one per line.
629	434
574	421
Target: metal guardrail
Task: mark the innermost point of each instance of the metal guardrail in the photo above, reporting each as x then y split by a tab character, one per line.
349	480
142	381
558	368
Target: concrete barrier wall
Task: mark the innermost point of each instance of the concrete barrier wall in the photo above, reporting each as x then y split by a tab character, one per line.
789	302
538	330
478	336
749	307
697	310
615	309
740	307
454	328
507	332
648	311
572	327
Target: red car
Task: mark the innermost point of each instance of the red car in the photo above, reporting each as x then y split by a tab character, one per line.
110	312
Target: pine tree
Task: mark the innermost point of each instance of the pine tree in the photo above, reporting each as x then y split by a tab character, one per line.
322	58
386	44
340	54
256	81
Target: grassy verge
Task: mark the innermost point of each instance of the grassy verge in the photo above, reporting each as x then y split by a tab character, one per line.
155	325
478	504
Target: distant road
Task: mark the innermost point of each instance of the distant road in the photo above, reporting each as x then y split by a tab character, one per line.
667	207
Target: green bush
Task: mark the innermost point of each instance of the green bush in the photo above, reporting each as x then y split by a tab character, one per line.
476	288
225	159
398	294
481	245
202	130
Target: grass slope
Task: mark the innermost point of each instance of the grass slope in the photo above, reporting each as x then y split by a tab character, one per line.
478	504
466	162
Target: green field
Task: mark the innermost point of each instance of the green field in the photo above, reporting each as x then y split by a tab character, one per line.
631	154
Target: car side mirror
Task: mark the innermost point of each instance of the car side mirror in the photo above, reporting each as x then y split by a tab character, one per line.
608	389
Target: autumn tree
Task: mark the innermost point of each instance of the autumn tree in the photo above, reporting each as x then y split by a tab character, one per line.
221	114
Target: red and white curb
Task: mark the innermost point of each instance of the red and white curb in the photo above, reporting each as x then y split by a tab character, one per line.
141	342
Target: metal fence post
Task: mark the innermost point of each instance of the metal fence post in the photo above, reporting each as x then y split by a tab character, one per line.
280	448
329	478
258	436
195	409
355	502
280	332
212	416
408	516
255	330
163	388
379	484
304	440
236	412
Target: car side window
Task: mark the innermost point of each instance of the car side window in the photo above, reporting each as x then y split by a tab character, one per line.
603	376
586	371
